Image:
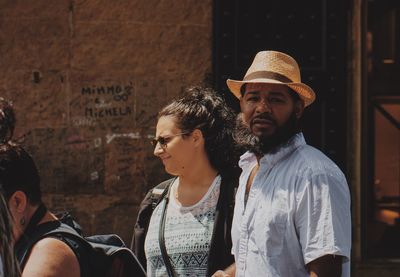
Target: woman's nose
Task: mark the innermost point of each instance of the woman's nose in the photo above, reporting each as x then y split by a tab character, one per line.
158	149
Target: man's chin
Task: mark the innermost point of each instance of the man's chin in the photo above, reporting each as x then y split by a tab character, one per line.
263	134
263	139
268	141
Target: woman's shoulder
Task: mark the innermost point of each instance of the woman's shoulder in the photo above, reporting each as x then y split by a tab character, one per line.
160	188
157	192
52	257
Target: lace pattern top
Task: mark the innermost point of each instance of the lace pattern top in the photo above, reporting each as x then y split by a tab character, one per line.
188	232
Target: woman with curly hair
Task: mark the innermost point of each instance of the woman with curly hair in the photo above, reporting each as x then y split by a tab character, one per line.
189	230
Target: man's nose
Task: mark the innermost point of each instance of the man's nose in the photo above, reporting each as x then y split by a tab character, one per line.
263	106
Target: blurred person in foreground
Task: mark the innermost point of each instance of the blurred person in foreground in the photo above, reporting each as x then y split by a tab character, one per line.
20	183
8	262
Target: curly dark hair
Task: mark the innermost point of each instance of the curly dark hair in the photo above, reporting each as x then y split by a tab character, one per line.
18	171
201	108
7	120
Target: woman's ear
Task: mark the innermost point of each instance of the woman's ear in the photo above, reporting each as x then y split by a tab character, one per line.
18	206
197	137
18	202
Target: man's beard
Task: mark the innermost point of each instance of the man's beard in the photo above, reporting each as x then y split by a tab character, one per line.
260	145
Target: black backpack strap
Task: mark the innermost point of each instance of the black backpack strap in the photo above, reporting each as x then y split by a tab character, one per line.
35	219
151	200
159	192
161	237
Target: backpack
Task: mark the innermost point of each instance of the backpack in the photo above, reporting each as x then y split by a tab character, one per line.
105	255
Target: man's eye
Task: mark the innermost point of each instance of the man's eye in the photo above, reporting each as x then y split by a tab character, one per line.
276	100
252	98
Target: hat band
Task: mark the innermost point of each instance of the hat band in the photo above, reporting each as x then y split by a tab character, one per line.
267	75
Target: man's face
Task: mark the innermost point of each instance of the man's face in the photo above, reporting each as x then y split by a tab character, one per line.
270	113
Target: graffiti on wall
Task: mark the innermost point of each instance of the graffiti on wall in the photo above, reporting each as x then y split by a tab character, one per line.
108	100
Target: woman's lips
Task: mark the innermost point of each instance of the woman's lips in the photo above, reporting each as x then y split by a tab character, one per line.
164	159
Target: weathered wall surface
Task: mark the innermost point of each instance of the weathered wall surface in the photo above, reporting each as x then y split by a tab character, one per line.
87	78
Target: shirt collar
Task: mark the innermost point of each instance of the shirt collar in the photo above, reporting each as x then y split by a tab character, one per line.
271	158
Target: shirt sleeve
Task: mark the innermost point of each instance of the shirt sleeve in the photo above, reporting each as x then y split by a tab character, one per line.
322	217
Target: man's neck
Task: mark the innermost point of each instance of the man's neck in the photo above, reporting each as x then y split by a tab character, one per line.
273	148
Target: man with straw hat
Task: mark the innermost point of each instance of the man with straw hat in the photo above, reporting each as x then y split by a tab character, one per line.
292	209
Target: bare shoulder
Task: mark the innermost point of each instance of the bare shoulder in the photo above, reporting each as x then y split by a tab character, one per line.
51	257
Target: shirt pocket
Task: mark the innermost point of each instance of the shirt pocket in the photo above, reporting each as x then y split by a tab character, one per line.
270	230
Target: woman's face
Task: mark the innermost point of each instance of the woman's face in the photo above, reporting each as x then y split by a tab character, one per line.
175	150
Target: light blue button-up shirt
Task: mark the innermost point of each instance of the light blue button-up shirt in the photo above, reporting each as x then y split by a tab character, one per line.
298	210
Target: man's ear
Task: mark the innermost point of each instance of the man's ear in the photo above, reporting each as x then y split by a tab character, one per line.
298	109
18	202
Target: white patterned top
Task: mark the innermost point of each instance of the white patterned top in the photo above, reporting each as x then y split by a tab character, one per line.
188	232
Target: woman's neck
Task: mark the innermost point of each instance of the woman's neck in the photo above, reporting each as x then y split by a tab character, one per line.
20	229
48	216
194	185
198	176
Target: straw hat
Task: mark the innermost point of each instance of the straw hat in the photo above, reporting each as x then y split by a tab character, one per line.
272	67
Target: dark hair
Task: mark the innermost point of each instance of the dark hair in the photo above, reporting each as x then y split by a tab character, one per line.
7	120
201	108
17	169
18	172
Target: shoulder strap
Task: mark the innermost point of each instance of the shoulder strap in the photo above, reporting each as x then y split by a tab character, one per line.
36	218
158	192
161	238
148	204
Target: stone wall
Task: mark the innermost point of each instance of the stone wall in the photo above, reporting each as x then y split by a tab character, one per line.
87	78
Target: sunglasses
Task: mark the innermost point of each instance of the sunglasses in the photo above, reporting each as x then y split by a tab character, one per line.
163	141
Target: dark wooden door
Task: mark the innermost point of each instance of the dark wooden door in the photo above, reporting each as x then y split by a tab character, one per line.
314	32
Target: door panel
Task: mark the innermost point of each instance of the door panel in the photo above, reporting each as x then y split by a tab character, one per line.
315	34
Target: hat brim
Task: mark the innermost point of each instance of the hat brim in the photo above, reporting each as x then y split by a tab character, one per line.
305	92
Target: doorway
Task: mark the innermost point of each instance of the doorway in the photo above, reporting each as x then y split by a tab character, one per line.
381	238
